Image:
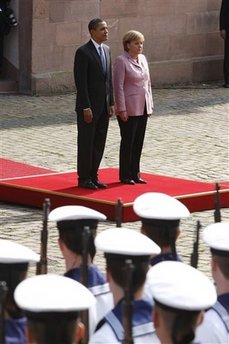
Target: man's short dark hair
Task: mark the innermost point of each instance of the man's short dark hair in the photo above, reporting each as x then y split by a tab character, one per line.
223	263
13	274
71	233
94	23
163	233
54	328
116	263
183	322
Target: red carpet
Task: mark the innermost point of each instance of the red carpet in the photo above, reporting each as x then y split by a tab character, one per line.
29	185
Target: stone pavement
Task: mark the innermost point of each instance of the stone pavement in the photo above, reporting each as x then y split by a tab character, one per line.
186	137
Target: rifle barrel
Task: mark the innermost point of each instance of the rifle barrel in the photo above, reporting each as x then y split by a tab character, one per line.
84	279
195	253
42	264
119	213
127	320
3	292
217	214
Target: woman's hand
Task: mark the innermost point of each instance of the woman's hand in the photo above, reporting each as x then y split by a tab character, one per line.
123	115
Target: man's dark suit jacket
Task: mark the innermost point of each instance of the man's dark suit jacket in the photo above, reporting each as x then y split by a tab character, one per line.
92	85
224	16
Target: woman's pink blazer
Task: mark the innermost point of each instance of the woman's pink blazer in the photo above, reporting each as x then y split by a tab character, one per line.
132	85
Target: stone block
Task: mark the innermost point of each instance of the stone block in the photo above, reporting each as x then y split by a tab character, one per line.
168	72
116	50
82	10
194	6
157	48
40	9
214	44
41	62
57	11
113	27
170	24
136	23
53	83
204	22
46	56
68	58
208	69
68	33
155	8
187	46
213	5
118	9
43	45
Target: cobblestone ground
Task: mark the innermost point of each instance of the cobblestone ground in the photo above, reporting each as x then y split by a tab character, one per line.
187	137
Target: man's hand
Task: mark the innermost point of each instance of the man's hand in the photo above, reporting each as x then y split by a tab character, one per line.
223	34
111	110
88	115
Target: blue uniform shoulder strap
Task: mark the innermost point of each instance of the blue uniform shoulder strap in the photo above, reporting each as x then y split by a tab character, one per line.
223	314
141	320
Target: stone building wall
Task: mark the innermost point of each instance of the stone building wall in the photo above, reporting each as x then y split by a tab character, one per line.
182	42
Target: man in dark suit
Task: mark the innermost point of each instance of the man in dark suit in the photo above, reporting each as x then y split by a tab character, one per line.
7	21
94	103
224	33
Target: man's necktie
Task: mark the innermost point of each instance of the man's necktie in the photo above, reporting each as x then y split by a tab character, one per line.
102	57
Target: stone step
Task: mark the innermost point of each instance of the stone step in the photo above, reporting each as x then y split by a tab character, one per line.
8	86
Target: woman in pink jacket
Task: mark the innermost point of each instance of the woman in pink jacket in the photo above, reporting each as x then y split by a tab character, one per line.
134	103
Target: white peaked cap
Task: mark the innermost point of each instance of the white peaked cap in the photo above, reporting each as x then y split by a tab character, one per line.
177	285
75	212
12	252
156	205
125	241
52	293
216	236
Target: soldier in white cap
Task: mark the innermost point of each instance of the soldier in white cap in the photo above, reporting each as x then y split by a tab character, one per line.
14	262
160	215
215	328
127	255
181	294
77	230
52	305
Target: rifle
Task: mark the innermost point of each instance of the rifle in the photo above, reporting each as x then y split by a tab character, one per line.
217	215
42	264
195	255
127	303
118	213
3	292
84	279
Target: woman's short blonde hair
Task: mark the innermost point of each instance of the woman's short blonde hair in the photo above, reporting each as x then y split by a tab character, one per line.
130	36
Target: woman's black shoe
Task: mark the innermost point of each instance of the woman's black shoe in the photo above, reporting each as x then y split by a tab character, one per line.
128	181
139	181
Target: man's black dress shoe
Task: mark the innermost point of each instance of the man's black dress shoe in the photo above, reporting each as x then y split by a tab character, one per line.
128	181
87	184
99	185
139	181
226	85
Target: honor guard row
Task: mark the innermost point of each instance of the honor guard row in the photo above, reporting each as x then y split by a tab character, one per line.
52	305
215	327
14	263
120	306
77	226
160	216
